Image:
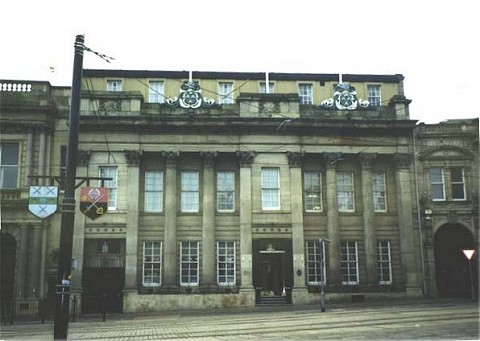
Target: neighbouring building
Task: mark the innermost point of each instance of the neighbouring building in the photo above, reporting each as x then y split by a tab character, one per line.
231	189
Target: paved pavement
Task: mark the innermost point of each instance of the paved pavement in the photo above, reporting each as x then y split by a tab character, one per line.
404	320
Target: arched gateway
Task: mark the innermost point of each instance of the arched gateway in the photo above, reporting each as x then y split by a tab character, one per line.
451	264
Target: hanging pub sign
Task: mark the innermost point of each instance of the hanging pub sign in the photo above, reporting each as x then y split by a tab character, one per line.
93	201
43	200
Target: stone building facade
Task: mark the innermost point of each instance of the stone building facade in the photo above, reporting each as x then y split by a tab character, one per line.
228	189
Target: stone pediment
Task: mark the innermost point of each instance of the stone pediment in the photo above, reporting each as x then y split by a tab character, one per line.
446	153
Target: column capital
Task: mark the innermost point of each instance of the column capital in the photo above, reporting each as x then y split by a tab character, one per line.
208	158
83	157
295	159
331	159
171	158
366	160
133	157
402	161
245	158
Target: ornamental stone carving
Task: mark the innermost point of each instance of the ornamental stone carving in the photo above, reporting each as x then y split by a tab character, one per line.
331	159
171	158
295	159
402	161
245	158
208	158
366	160
83	157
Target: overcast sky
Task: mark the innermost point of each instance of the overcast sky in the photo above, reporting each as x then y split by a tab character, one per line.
434	44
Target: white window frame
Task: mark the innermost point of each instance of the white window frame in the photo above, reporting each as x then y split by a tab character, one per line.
437	183
114	85
112	185
226	263
349	263
190	196
458	183
312	196
153	201
189	263
379	191
270	183
315	258
225	191
374	93
305	92
384	262
345	191
225	92
263	87
156	91
9	171
152	262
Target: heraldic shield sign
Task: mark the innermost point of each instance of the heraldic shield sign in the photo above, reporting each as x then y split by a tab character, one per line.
43	200
93	201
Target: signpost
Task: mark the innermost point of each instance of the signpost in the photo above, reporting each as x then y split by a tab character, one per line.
469	253
43	201
93	201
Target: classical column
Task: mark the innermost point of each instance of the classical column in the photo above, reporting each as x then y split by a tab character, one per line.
42	155
79	230
368	219
170	240
22	262
29	158
405	222
334	275
296	199
245	160
208	220
34	262
131	248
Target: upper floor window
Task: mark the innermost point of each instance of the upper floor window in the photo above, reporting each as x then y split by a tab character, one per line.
457	183
379	192
225	91
152	264
189	263
312	191
9	165
153	191
225	263
345	192
155	92
225	191
114	85
190	198
270	181
374	95
305	91
437	184
110	172
349	262
263	87
315	262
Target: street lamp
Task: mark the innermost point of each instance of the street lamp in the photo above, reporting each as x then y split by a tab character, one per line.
322	266
469	253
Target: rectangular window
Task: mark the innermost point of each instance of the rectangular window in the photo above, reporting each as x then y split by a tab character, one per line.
270	188
225	191
263	87
153	191
345	192
313	191
152	264
190	191
305	91
155	92
374	95
457	181
225	91
379	192
226	263
315	263
114	85
437	184
384	263
189	263
349	263
110	172
9	165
